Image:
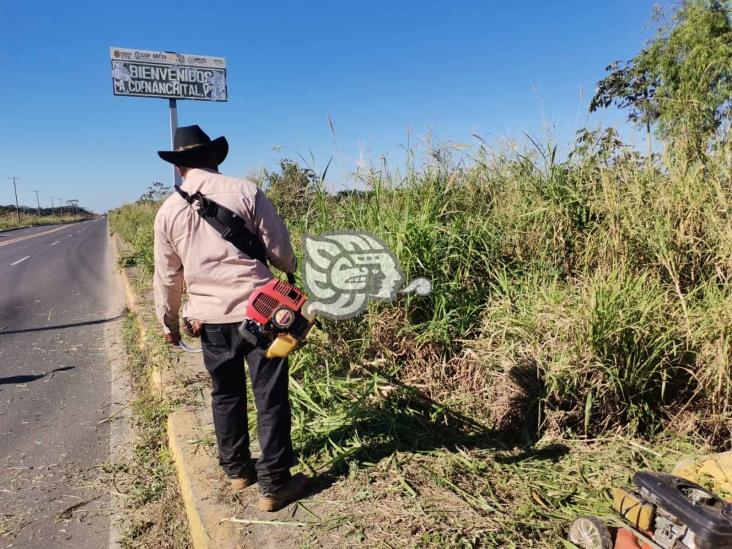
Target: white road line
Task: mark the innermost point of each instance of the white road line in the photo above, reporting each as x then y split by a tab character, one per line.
33	235
20	260
55	243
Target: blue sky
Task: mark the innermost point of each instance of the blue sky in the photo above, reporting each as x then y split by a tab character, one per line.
384	72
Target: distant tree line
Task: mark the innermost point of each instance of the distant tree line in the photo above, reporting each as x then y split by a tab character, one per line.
28	210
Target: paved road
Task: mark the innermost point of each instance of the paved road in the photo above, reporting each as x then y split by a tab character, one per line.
57	296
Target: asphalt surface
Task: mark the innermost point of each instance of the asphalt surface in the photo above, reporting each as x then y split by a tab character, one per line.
57	299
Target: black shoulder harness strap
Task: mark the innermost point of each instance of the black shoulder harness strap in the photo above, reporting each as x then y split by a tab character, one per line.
228	224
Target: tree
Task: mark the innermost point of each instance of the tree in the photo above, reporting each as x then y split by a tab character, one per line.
292	190
156	192
682	81
629	86
74	203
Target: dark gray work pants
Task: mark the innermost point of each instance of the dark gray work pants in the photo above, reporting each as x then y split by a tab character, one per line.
224	353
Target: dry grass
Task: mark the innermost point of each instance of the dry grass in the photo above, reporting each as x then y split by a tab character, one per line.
9	525
10	221
480	497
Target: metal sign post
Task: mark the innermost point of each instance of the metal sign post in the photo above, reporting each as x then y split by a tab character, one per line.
173	104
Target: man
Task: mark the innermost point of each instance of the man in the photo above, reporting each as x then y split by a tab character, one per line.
219	278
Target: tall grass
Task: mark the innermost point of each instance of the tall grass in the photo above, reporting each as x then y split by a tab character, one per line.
134	223
603	272
606	273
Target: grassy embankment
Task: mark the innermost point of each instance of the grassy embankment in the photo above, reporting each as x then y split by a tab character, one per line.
10	221
579	328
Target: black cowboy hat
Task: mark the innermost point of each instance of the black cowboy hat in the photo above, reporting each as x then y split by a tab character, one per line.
192	145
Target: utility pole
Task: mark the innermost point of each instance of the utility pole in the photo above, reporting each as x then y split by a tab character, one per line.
15	189
39	203
52	210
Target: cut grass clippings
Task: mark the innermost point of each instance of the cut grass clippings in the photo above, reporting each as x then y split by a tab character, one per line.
9	525
482	497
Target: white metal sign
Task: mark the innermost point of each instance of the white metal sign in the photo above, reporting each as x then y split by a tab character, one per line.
143	73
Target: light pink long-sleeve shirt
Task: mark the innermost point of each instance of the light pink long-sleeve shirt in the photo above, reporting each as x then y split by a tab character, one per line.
218	277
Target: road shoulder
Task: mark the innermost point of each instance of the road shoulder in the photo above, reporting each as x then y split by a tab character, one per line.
121	434
149	510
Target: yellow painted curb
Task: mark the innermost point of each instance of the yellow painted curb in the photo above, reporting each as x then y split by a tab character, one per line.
192	466
179	423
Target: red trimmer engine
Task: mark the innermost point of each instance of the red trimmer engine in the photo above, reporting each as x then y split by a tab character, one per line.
277	316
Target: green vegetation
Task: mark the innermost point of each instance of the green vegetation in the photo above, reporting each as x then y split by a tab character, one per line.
579	327
596	276
577	298
10	220
681	81
134	223
482	496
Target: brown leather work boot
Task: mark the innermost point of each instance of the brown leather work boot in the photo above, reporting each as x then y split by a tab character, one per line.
247	478
289	492
238	484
